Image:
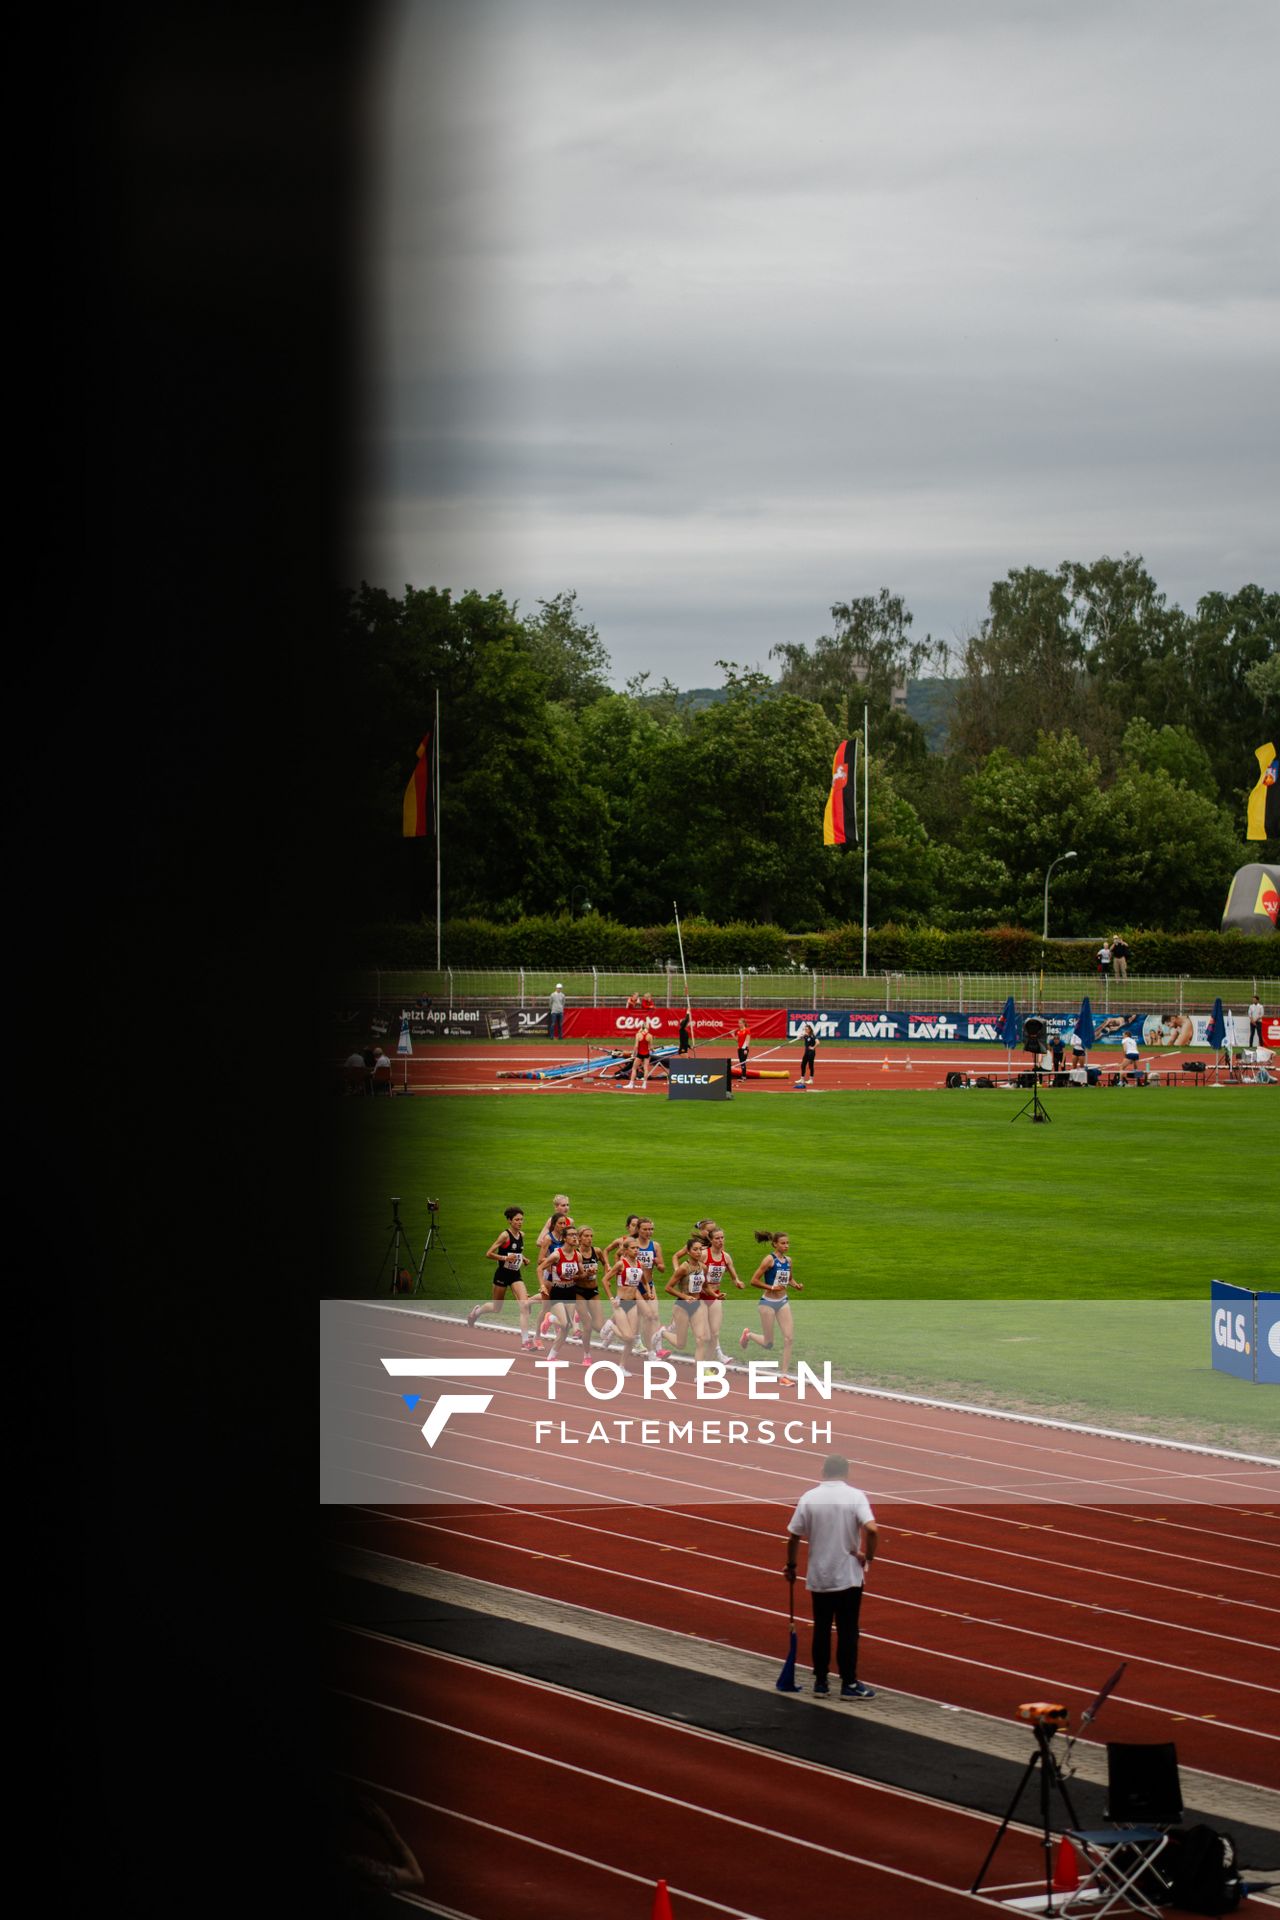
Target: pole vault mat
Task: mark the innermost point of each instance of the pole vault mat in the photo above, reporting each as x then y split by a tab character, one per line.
846	1738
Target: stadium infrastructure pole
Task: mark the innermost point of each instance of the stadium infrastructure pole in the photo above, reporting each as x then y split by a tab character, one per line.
437	810
866	829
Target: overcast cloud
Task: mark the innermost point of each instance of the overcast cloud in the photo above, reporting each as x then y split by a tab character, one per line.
721	314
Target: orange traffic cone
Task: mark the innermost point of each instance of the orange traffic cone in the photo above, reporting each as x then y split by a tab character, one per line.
1066	1872
910	1068
884	1064
662	1902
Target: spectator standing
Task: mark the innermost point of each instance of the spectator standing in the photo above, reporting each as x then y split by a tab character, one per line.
1104	960
555	1003
837	1521
1120	957
1255	1022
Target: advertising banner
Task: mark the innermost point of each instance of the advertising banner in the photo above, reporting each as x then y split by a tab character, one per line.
470	1023
698	1079
1267	1346
623	1023
921	1029
1232	1330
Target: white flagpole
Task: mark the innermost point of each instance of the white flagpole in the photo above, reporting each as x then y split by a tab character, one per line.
866	829
437	813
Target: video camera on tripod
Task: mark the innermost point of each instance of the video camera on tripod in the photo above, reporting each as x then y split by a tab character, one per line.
406	1271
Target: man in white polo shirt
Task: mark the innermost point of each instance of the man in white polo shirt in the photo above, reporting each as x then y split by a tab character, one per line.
837	1521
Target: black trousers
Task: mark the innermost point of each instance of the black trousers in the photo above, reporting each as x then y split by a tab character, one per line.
841	1609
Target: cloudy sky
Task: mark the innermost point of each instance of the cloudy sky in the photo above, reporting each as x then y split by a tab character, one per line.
719	314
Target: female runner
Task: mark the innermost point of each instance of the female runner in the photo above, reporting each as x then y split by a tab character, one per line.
550	1241
590	1311
630	1276
558	1276
774	1278
611	1252
719	1263
508	1251
649	1253
688	1284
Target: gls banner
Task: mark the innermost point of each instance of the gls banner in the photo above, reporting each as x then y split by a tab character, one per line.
1232	1320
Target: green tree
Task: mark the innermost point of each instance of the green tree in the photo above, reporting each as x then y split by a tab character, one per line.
1173	750
867	660
569	652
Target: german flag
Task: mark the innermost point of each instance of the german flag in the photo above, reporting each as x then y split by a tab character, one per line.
1264	801
417	795
840	821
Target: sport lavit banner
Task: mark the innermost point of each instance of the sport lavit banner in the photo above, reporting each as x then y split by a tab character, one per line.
1150	1030
709	1023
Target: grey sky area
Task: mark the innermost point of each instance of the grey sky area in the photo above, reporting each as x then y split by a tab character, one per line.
721	314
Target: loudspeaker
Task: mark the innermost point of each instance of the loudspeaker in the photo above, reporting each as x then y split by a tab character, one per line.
983	1081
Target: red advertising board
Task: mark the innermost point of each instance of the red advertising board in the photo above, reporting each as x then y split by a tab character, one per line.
623	1023
1270	1030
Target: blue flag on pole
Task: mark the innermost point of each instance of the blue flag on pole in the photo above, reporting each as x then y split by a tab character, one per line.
1217	1028
1084	1025
1010	1033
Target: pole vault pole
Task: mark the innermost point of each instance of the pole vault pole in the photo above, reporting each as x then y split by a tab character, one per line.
683	973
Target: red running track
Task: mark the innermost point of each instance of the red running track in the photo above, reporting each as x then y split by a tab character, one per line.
1016	1560
475	1069
521	1799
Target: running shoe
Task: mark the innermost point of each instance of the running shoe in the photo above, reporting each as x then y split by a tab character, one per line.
744	1339
786	1380
662	1353
536	1346
471	1316
820	1686
547	1325
722	1356
857	1692
606	1337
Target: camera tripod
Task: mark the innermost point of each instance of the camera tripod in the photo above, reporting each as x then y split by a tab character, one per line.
1035	1105
1051	1781
400	1252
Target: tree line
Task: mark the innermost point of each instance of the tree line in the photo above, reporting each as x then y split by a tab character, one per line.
1086	713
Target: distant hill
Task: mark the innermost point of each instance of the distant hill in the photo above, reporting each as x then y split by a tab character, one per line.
930	702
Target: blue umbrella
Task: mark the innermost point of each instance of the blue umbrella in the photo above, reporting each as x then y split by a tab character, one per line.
1217	1030
1084	1025
1009	1029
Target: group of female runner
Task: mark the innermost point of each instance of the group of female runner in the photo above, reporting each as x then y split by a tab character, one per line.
576	1280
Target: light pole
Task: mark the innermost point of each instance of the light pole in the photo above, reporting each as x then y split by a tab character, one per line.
1052	864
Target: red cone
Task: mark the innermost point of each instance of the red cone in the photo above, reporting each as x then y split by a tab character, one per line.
662	1902
1066	1873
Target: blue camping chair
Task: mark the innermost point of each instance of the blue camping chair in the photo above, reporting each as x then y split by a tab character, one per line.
1144	1801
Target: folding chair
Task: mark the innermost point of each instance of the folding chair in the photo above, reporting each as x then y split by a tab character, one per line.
1144	1800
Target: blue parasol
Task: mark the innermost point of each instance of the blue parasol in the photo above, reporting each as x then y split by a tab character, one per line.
1010	1033
1217	1029
1084	1025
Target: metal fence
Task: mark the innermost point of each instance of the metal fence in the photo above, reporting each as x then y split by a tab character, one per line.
799	987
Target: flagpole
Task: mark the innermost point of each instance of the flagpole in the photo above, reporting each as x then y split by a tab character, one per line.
437	813
866	829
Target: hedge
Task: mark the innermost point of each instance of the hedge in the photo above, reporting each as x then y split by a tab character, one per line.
544	942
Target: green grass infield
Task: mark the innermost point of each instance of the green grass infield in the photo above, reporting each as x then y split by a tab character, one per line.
975	1244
